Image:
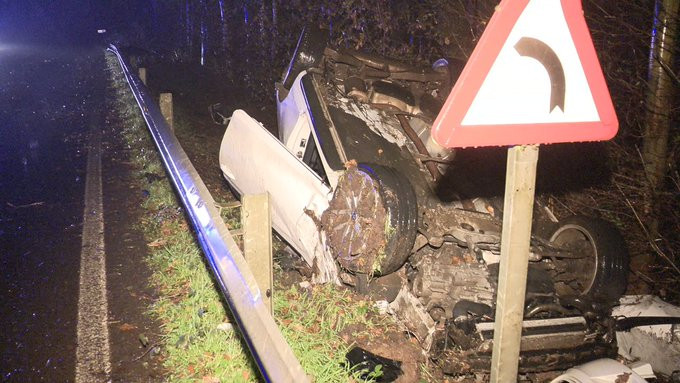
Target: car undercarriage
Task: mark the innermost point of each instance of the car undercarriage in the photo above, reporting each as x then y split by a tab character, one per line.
375	217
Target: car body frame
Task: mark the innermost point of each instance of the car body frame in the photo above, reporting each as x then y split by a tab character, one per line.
355	180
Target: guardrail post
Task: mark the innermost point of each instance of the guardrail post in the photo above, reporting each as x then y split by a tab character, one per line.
512	276
142	75
270	351
257	242
166	109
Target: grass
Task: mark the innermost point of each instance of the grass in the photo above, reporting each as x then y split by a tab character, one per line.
199	342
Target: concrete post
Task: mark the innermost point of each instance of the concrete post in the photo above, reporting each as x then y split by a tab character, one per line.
512	279
142	75
166	109
257	242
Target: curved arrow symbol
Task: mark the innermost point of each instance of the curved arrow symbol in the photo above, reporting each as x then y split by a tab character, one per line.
537	49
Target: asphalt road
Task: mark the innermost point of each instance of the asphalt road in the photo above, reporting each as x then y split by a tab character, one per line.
51	100
46	105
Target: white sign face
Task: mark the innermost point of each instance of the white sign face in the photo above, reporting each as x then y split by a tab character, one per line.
537	77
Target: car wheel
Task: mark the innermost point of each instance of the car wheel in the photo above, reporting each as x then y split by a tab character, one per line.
308	53
602	274
402	212
371	221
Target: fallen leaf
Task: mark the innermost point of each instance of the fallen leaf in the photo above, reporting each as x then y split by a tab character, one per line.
245	374
157	243
165	230
127	327
210	379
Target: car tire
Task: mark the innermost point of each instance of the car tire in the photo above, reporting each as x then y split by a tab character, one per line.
371	221
307	54
602	276
401	204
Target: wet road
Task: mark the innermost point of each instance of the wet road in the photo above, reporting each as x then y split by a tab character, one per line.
48	102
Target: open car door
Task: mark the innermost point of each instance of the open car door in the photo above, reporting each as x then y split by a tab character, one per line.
254	161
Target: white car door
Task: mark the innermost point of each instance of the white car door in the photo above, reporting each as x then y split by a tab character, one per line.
254	161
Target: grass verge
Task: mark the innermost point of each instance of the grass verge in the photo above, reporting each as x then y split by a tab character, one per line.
199	341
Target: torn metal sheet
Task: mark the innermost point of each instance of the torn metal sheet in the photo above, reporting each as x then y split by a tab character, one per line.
606	371
414	317
376	120
658	344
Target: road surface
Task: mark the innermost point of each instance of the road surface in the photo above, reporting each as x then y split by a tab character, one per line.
72	296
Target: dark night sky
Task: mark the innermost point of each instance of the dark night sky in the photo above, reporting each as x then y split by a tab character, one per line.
66	21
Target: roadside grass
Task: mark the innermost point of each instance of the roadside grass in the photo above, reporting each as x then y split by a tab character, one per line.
199	342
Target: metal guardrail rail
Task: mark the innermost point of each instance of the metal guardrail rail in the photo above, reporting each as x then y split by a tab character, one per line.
273	355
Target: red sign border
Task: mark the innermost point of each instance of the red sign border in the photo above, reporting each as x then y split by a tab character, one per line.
447	129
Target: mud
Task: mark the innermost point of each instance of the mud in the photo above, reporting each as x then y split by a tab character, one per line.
129	293
393	345
355	222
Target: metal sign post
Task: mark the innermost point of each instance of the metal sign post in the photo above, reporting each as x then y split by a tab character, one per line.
515	239
533	78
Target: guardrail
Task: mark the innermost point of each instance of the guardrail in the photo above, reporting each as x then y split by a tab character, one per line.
269	349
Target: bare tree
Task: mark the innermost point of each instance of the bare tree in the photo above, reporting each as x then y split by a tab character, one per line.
660	100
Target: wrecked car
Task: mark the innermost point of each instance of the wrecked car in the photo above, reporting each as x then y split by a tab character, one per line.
353	173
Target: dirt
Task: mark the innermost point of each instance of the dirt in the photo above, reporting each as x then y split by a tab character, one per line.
133	334
355	222
393	345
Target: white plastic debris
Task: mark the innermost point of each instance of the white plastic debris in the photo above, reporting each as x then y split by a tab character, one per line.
305	285
383	307
414	317
659	345
604	371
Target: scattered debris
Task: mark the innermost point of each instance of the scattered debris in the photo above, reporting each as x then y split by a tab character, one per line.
154	350
143	340
25	206
305	285
182	342
658	344
606	371
127	327
157	243
383	307
385	214
375	367
201	311
219	113
414	317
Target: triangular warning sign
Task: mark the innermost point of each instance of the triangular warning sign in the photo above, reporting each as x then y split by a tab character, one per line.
534	78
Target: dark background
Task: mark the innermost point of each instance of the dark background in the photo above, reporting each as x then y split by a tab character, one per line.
246	44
